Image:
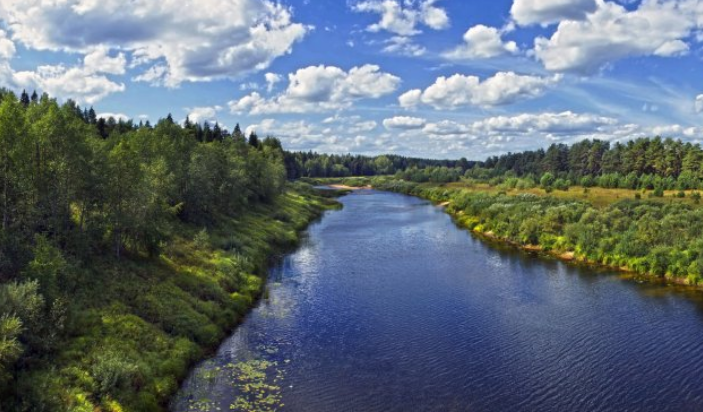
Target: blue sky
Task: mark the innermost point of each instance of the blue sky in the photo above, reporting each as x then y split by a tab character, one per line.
431	78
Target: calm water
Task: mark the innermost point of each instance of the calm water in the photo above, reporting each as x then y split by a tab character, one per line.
387	306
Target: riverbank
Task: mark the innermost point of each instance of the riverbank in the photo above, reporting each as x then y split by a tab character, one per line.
142	323
345	327
643	239
640	238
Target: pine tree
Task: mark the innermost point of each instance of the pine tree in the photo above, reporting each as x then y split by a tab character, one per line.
207	133
102	128
237	133
92	116
254	139
24	99
35	97
217	132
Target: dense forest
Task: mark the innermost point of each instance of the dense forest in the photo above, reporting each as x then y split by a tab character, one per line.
645	163
315	165
126	250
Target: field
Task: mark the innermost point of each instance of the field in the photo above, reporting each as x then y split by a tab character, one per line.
597	196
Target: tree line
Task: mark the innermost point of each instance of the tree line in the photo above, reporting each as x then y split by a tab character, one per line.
316	165
76	188
645	163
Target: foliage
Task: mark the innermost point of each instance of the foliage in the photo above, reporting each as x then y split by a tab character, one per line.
315	165
127	251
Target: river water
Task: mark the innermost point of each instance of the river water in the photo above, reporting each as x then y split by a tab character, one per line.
388	306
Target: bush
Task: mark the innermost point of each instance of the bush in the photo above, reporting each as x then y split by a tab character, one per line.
547	180
561	184
112	371
201	241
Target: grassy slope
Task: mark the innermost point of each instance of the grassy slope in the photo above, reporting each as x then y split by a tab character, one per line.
139	324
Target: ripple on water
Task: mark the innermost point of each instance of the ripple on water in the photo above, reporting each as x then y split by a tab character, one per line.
389	307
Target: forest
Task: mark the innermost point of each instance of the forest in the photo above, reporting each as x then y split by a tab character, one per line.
128	250
644	164
316	165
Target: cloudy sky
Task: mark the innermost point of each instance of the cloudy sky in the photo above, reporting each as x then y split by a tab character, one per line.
431	78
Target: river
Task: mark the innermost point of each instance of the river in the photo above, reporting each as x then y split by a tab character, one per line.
388	306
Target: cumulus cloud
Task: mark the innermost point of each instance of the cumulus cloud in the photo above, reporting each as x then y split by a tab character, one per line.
551	123
321	88
482	42
363	127
404	123
178	41
99	61
404	17
611	32
699	103
81	84
527	12
7	46
303	135
203	114
460	90
447	129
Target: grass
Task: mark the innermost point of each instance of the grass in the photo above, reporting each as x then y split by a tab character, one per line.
139	324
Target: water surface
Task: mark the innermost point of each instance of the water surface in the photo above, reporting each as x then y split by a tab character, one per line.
387	306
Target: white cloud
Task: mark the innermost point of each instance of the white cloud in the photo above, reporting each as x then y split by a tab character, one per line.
404	46
527	12
611	32
321	88
79	83
699	103
271	80
180	40
99	61
362	127
549	123
447	129
459	90
7	47
404	17
404	123
482	42
203	114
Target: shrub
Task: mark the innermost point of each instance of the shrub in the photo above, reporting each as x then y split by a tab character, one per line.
202	240
112	371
